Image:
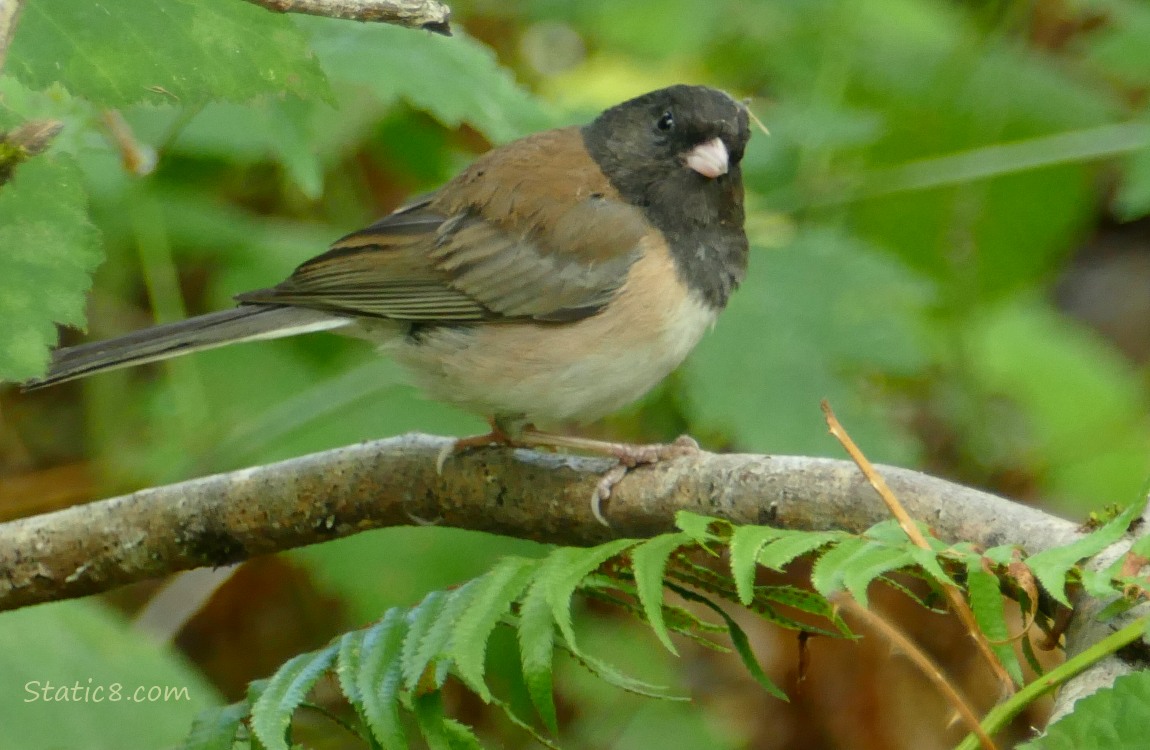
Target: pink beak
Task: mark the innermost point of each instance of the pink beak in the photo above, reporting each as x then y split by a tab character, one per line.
709	159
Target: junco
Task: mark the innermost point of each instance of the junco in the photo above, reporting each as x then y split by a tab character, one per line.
557	278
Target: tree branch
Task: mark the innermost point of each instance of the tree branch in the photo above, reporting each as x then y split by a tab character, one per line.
430	15
9	12
225	518
1086	629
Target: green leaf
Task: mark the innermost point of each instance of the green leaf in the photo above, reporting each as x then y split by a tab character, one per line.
493	595
868	564
928	561
76	675
738	639
455	80
990	614
745	545
215	728
805	601
419	621
649	561
827	575
1113	718
50	251
794	544
435	640
347	668
460	736
286	689
698	527
536	635
428	710
1051	566
564	569
111	52
379	678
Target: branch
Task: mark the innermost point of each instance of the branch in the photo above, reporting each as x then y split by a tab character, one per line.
9	12
225	518
430	15
1086	630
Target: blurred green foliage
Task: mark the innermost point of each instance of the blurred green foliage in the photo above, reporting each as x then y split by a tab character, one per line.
932	169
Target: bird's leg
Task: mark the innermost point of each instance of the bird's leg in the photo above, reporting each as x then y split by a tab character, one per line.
629	456
497	436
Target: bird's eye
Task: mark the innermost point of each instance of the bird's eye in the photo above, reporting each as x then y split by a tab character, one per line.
666	121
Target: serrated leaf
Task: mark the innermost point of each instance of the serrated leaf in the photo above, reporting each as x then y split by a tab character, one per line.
1100	583
649	562
419	622
1051	566
564	569
829	569
1003	554
745	545
108	53
739	640
455	80
536	636
460	736
889	532
428	710
794	544
379	678
990	613
435	641
494	592
285	690
50	251
1115	608
1113	718
215	728
347	668
928	561
613	676
699	527
868	564
805	601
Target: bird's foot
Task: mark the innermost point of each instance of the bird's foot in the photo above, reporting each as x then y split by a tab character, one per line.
497	436
629	456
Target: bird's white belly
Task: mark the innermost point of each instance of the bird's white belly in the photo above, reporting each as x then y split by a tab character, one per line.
553	372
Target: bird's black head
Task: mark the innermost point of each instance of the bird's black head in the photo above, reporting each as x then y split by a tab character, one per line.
676	153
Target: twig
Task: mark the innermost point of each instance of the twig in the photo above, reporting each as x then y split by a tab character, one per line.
225	518
137	158
9	13
953	593
24	142
921	660
429	15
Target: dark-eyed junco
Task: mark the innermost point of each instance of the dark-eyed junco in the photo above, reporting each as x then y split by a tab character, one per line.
557	278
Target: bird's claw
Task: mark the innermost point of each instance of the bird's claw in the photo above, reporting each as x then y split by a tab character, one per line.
632	456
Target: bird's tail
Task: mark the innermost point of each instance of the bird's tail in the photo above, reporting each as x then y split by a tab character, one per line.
244	323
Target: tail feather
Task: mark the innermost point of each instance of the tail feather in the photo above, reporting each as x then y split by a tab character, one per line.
244	323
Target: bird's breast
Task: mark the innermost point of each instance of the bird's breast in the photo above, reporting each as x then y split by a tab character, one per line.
582	370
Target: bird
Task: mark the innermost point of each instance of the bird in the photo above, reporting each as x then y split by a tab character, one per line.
556	279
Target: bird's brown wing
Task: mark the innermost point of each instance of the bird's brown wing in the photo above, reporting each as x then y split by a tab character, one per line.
532	230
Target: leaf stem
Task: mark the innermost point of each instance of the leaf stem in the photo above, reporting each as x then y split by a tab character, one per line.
953	593
1001	714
